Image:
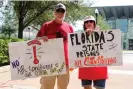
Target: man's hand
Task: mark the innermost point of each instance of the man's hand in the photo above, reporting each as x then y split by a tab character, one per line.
71	69
44	38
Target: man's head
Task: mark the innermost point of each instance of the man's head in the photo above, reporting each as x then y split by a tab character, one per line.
60	11
89	22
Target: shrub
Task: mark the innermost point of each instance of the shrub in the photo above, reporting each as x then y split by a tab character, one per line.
4	55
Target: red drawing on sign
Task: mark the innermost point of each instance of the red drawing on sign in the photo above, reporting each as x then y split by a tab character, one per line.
33	42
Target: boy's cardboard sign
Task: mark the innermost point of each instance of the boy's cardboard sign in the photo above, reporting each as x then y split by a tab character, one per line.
101	48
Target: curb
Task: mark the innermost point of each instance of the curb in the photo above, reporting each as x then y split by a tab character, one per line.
127	52
4	69
18	87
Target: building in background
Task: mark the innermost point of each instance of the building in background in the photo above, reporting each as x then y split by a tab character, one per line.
120	17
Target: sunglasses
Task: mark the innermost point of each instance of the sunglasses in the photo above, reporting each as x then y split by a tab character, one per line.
89	21
60	11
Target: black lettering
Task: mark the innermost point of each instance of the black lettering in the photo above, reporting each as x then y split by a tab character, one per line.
77	54
92	37
52	65
83	38
110	32
30	68
56	65
45	72
87	38
84	46
96	36
21	70
77	41
102	38
81	54
72	37
87	53
93	48
84	51
91	53
97	52
61	68
36	73
53	70
97	45
94	53
89	47
101	46
28	74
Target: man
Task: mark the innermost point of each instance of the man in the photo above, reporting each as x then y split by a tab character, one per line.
56	28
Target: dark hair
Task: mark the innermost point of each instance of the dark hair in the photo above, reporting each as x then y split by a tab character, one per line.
86	28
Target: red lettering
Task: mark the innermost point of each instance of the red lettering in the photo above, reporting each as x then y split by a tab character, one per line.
78	63
86	61
114	61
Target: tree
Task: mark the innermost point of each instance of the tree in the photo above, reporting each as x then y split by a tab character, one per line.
1	4
9	24
102	23
34	13
28	11
37	12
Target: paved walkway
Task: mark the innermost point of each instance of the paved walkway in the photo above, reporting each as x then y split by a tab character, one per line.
120	77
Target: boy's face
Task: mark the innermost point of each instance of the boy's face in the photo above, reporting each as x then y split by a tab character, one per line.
89	24
60	14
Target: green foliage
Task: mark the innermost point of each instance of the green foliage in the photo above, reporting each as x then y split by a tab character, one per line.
9	25
25	13
102	23
77	12
37	12
7	30
4	55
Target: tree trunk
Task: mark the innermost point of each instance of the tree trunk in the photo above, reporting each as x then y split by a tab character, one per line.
9	33
20	30
21	18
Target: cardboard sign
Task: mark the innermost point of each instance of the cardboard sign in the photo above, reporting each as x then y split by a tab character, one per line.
101	48
37	58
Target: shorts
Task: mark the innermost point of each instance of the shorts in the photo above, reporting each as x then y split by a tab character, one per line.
96	83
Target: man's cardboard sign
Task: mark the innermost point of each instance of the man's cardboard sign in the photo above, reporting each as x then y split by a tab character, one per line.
37	58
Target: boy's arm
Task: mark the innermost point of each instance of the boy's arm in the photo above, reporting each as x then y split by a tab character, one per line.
41	35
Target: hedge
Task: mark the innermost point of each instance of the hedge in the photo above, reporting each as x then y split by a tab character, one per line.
4	55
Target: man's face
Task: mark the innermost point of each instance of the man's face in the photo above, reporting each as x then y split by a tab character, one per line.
60	14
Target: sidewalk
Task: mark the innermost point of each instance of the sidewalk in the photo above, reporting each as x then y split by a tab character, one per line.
128	52
4	68
115	81
120	77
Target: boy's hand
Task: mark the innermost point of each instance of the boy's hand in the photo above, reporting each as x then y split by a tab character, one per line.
44	38
89	31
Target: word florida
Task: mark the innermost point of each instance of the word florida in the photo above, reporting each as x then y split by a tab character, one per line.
95	37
